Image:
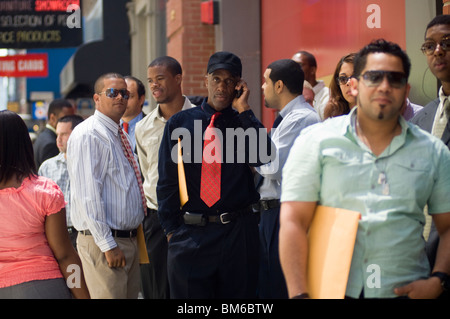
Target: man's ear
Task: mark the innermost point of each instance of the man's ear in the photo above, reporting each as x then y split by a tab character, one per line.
52	120
96	98
279	86
179	78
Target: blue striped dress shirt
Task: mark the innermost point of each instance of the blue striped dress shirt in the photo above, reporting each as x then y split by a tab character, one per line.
104	190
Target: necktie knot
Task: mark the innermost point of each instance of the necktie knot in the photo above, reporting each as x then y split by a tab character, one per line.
213	119
125	126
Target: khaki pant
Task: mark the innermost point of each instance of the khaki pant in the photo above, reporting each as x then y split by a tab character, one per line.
110	283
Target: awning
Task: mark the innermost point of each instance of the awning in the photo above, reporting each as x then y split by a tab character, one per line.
89	62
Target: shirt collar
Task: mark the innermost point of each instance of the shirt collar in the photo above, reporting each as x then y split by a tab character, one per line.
349	130
107	122
61	158
51	128
209	111
134	120
293	104
157	115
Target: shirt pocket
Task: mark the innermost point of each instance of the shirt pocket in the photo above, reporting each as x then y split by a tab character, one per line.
152	148
412	177
344	171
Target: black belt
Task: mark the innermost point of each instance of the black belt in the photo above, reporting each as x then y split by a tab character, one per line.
199	219
71	230
269	204
115	233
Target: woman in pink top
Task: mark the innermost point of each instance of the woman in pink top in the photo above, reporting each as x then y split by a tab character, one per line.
37	259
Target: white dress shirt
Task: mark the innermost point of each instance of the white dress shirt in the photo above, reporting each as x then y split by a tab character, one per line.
297	115
149	132
104	190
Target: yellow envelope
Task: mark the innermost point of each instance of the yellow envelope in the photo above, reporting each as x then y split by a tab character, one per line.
143	255
182	177
332	236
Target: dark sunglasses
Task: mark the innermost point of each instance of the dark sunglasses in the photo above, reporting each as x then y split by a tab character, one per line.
343	80
374	78
113	93
429	47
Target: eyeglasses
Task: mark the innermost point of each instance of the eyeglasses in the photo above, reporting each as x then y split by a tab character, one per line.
343	80
374	78
429	47
113	93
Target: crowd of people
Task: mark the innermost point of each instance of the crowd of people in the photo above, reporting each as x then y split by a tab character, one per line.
228	217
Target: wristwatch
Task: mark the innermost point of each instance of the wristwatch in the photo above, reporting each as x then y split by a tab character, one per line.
445	279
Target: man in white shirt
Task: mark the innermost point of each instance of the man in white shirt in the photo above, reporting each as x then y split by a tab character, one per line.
107	206
321	93
164	78
55	168
282	89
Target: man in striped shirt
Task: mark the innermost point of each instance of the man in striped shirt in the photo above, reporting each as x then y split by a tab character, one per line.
107	206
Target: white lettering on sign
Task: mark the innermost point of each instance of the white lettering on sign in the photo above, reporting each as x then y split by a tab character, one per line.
30	65
7	66
374	19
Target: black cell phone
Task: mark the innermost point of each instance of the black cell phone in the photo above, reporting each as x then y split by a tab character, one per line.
239	93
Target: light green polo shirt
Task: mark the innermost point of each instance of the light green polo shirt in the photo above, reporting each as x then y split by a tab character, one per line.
329	164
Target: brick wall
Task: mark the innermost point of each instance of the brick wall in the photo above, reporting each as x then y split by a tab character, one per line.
190	42
446	6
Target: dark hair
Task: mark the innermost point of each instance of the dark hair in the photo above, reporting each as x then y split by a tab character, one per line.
74	119
290	73
337	104
309	57
57	105
380	46
140	85
172	65
443	19
16	148
99	84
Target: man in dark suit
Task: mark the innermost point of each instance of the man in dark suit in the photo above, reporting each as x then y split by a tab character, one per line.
45	144
434	116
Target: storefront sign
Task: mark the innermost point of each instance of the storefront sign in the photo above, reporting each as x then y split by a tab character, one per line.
28	65
30	24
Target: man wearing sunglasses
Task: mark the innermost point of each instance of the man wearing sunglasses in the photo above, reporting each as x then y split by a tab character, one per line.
375	162
107	203
434	116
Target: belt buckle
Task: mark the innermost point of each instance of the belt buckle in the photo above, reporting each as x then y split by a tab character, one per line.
223	217
264	205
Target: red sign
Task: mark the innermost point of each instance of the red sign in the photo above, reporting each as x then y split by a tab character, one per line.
28	65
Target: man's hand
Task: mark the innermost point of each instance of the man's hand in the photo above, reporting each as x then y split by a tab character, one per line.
115	258
241	104
421	289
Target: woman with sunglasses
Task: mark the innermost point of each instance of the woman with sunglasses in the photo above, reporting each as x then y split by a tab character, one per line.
36	255
341	101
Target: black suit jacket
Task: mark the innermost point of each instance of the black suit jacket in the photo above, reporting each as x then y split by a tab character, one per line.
45	147
424	119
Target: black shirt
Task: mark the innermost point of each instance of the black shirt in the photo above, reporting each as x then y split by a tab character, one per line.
237	182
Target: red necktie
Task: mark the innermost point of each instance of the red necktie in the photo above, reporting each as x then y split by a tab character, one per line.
210	178
125	127
129	155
